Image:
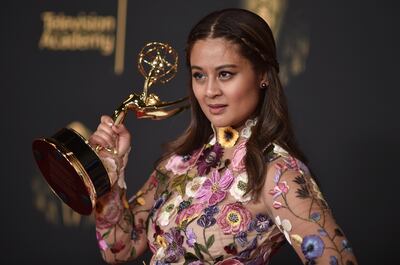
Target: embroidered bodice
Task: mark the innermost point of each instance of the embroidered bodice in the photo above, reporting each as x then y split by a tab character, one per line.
203	215
194	210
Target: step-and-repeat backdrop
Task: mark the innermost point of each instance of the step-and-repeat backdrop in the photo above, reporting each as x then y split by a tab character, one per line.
65	63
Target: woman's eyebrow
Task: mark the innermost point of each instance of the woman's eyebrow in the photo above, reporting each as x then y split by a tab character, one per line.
226	66
196	67
217	68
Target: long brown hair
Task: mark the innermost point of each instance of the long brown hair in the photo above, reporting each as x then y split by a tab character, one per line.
256	43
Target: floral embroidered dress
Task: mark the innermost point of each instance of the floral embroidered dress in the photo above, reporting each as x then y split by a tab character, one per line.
196	211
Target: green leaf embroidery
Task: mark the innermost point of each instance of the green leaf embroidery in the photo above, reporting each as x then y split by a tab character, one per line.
105	235
202	248
133	252
190	257
197	251
161	177
162	180
179	183
210	241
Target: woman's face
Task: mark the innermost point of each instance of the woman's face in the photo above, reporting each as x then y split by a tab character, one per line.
224	82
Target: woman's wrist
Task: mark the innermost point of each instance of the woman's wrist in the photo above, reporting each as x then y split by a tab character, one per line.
115	166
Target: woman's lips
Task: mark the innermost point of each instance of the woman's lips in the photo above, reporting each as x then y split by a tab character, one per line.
216	108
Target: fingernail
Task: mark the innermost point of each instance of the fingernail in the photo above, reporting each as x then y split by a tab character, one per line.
110	124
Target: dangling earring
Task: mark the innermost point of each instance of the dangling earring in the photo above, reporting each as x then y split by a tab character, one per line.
263	85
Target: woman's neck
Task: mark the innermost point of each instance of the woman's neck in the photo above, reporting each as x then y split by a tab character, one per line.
239	132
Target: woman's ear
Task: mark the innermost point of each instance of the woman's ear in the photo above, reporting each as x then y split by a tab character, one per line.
264	82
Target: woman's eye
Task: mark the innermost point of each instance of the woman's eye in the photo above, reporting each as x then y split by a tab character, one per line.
225	75
198	76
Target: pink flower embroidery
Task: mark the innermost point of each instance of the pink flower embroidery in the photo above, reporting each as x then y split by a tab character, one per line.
180	164
277	205
280	188
291	163
214	188
238	163
153	180
234	218
102	243
189	213
111	212
279	168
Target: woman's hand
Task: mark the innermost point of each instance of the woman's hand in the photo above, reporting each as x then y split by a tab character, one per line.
111	136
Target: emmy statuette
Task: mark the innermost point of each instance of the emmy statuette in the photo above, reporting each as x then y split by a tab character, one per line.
72	167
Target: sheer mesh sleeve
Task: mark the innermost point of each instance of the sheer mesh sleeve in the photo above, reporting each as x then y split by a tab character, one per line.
302	214
120	224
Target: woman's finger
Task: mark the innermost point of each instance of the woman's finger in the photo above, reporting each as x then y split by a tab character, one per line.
96	140
124	138
107	120
106	137
107	129
120	129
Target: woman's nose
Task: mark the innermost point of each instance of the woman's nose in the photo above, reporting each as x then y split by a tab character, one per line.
213	89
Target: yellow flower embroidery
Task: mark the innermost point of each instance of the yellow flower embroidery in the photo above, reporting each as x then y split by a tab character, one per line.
297	239
227	136
140	201
161	241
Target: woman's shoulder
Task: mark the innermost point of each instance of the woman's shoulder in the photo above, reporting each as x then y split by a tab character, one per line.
278	161
285	172
274	152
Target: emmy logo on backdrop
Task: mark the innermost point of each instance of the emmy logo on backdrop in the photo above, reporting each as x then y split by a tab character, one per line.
72	167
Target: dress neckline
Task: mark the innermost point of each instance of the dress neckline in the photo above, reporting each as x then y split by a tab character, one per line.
245	131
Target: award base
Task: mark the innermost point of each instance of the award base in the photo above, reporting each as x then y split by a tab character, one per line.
72	169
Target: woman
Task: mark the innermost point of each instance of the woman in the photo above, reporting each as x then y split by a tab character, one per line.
234	187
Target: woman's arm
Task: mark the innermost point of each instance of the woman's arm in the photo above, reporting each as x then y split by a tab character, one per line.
298	208
120	223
